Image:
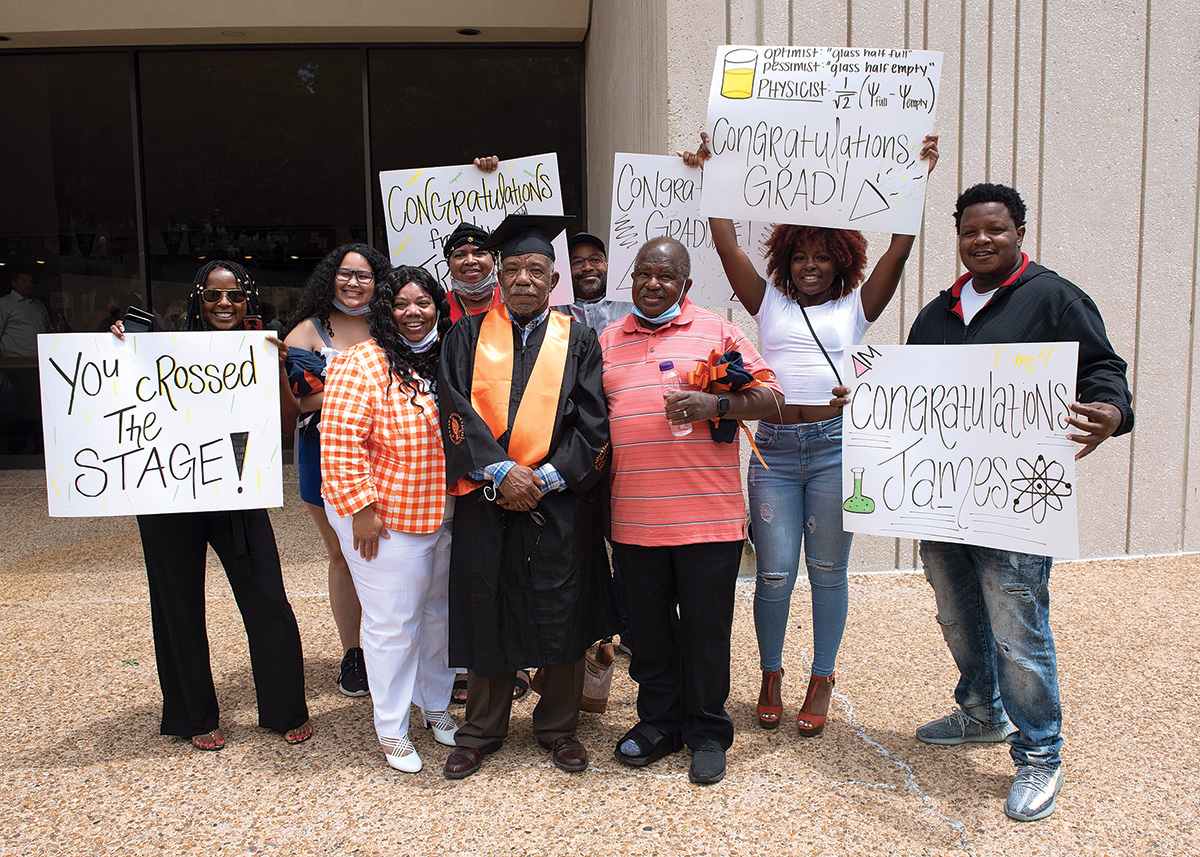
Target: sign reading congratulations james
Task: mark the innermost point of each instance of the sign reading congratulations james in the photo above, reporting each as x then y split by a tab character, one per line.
163	422
821	136
424	205
962	443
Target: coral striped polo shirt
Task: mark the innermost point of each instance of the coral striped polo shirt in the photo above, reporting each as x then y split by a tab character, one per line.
668	490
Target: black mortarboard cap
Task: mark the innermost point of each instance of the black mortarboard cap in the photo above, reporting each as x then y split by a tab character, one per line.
519	234
585	238
464	233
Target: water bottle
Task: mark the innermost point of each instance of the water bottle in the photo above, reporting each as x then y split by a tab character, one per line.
670	383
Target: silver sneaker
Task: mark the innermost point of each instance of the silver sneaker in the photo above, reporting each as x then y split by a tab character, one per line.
958	727
1033	791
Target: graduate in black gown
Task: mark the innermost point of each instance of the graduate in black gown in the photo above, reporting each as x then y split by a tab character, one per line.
525	430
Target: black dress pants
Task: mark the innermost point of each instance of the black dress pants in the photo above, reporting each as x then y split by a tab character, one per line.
680	603
175	547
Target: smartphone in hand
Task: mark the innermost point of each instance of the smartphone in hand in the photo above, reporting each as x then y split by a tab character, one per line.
137	320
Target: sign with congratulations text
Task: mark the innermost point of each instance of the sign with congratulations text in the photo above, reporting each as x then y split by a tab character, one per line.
423	206
821	136
162	422
962	443
657	196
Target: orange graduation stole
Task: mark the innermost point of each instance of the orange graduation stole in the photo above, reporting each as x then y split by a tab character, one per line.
491	387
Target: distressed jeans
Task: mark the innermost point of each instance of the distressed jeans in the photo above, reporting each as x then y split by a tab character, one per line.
795	504
994	611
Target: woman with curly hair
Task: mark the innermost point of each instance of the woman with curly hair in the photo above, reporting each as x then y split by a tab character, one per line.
175	546
332	317
384	477
812	311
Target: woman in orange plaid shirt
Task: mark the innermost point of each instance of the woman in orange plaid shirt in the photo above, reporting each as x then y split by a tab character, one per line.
384	483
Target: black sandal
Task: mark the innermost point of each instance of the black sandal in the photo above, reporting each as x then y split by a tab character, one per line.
458	695
521	684
652	744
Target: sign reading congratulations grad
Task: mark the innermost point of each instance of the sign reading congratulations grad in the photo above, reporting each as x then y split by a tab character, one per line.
657	196
163	422
423	206
962	443
821	136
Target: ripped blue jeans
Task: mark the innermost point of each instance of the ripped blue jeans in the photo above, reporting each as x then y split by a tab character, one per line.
798	503
993	607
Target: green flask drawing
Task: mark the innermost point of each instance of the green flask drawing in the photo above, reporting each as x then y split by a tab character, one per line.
857	502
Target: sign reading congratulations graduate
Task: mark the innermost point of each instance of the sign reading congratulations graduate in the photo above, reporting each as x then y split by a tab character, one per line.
162	422
821	136
422	207
657	196
962	443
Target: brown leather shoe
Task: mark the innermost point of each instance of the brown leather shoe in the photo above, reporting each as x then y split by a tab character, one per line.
465	761
568	754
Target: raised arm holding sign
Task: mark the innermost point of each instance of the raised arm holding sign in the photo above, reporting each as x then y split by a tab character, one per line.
809	314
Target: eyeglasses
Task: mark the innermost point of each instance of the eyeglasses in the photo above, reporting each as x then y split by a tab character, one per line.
212	296
595	261
363	278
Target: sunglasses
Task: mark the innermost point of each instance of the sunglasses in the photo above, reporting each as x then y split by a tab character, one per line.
212	296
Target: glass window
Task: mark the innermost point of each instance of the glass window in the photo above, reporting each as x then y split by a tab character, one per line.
68	225
439	106
250	155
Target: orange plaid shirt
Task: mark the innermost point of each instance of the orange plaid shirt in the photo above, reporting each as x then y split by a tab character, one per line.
378	447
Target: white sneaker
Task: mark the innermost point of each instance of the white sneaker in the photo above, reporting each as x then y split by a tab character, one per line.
1033	791
443	726
401	754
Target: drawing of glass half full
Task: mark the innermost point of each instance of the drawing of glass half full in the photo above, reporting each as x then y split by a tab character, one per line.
738	79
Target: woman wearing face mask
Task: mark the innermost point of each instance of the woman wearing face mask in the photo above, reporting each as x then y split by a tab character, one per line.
331	317
473	283
385	485
812	310
175	547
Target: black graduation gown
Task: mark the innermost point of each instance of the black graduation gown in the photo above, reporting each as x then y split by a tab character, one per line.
522	594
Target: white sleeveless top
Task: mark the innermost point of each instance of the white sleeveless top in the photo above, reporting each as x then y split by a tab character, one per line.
789	349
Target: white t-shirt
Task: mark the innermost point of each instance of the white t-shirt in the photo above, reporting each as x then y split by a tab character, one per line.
971	301
789	349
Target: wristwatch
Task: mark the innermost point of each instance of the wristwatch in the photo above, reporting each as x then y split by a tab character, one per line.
722	404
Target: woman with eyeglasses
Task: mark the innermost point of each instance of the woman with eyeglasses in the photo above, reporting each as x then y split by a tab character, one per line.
175	547
332	317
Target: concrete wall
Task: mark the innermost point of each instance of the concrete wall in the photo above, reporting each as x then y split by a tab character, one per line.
1089	110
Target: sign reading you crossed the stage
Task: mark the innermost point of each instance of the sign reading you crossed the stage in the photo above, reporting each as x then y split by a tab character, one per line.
962	443
821	136
162	422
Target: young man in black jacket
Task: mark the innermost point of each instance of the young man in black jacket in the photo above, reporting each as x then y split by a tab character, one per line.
1010	691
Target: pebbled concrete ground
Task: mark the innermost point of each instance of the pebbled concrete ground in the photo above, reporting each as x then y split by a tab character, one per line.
83	770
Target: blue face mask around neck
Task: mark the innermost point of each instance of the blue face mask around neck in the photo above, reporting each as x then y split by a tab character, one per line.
673	312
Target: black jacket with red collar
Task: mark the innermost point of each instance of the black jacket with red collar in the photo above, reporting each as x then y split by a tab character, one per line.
1036	305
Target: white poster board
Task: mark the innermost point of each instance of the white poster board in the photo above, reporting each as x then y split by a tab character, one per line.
962	443
821	136
162	422
423	206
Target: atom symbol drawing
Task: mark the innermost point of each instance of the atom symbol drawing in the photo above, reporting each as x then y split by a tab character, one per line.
1040	487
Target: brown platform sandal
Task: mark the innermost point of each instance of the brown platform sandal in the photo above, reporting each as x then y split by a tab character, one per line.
770	699
815	710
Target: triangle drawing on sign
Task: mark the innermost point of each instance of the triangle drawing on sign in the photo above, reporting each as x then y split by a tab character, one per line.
859	367
870	201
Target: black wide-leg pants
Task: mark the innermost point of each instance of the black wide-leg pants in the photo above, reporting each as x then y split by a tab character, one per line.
175	546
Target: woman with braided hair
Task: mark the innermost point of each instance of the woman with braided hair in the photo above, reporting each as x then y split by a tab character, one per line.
384	482
331	317
175	547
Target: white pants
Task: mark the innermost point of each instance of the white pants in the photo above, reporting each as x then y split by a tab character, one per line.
405	625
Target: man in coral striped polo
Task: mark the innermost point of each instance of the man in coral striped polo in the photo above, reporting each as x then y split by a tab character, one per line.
678	516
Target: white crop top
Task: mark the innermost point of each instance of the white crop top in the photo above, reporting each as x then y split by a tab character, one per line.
789	349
